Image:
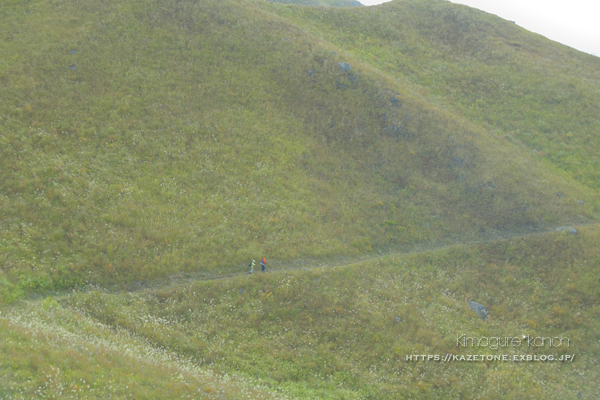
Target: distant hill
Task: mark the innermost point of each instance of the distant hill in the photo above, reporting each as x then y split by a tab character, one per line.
321	3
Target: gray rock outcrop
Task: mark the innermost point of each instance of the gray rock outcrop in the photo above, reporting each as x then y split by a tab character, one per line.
479	309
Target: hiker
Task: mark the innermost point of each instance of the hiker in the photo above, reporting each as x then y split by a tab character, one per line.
262	264
252	266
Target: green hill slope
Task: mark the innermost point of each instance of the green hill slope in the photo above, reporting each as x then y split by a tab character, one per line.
146	138
43	360
514	83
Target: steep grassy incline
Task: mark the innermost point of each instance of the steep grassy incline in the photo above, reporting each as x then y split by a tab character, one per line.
516	84
143	138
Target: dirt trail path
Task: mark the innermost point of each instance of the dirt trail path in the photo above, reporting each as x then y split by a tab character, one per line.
182	279
187	278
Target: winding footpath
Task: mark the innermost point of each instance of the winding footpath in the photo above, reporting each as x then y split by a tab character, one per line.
182	279
187	278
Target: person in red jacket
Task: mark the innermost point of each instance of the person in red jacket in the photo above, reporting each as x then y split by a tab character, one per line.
262	264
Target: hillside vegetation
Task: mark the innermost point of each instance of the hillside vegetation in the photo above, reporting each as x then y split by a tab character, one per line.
514	83
142	140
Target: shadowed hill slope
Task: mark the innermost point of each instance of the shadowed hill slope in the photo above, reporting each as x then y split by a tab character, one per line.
514	83
146	138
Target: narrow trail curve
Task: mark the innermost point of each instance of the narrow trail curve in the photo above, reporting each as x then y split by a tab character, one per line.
178	280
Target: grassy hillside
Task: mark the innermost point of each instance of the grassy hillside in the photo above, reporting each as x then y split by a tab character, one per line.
514	83
142	140
43	359
330	333
148	138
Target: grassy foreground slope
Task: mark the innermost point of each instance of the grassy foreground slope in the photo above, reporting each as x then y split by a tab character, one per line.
330	333
41	358
144	138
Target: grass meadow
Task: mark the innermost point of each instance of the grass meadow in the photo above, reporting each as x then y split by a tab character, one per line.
158	141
